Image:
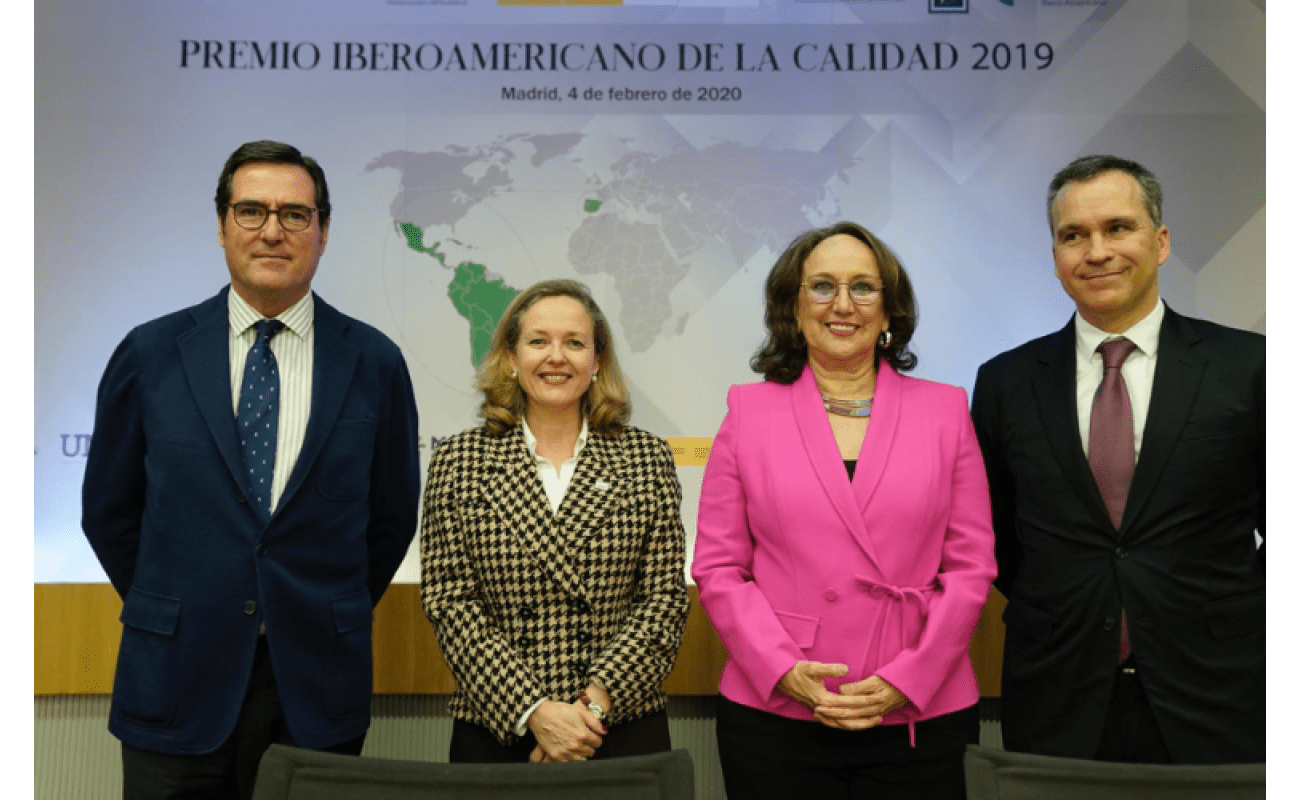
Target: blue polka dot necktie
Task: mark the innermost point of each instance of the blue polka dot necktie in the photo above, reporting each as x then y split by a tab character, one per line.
259	413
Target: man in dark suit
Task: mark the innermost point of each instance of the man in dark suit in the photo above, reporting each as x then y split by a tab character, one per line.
1127	488
249	501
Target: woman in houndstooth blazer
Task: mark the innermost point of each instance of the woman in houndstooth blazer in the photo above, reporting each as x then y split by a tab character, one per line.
552	548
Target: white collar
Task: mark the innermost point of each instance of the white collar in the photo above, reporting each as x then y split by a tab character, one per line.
297	318
531	440
1145	333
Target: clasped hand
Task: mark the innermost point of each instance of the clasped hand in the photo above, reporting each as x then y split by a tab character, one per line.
565	731
858	705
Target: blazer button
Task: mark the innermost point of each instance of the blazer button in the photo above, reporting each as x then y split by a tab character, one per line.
1121	552
527	612
261	550
527	642
831	595
1109	624
584	636
250	608
581	606
580	667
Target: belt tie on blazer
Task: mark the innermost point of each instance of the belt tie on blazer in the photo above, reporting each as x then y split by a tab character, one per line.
900	597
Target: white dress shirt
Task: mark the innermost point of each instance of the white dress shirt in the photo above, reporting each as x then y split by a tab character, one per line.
1139	369
293	348
555	483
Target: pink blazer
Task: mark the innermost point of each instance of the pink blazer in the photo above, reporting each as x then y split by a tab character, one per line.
886	574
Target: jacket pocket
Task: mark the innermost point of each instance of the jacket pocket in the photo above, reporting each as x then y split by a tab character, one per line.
352	611
1241	615
144	687
801	628
349	696
1028	620
1218	426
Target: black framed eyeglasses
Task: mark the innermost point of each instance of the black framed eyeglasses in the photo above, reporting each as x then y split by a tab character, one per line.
252	216
824	290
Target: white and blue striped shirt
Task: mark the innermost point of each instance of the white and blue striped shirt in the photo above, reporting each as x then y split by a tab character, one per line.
293	348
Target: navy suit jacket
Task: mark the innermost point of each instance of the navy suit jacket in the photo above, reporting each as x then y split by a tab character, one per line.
199	568
1183	564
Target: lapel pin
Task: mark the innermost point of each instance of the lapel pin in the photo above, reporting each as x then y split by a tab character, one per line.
601	485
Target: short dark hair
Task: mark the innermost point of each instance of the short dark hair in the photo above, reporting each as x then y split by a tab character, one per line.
272	152
784	353
1089	167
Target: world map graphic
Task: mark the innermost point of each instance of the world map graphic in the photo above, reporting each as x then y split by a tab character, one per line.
646	219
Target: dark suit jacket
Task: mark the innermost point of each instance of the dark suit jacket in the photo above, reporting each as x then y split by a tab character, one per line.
199	568
1183	564
529	605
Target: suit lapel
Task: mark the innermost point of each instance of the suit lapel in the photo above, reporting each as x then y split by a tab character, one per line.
517	490
1178	376
596	488
1055	389
885	413
205	357
334	361
824	455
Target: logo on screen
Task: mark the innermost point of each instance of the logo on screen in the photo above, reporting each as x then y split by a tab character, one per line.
949	6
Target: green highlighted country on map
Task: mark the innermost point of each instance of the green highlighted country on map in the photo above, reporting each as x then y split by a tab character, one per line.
591	206
476	297
482	302
415	240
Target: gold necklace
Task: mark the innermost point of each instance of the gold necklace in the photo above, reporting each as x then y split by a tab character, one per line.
848	408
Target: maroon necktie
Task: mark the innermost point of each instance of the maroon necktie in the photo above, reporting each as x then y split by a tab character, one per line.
1111	452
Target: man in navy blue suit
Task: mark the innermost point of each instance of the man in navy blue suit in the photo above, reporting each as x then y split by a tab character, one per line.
248	576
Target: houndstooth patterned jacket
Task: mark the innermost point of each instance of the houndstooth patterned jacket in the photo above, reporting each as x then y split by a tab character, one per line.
530	605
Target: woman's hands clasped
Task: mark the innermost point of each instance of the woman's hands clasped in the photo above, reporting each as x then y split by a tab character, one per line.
568	731
858	705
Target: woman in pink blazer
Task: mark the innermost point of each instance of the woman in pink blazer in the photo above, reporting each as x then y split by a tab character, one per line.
844	547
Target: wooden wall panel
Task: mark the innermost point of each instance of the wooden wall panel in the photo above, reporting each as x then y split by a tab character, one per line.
407	658
75	638
986	646
77	634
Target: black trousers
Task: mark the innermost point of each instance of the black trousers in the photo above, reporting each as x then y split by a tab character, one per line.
765	756
1131	733
230	771
474	744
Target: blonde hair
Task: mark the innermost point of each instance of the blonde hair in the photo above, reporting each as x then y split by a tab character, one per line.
605	403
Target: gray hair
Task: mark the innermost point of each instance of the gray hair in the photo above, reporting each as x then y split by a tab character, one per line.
1089	167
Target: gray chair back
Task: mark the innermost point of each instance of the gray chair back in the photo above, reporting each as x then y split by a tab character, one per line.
993	774
289	773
